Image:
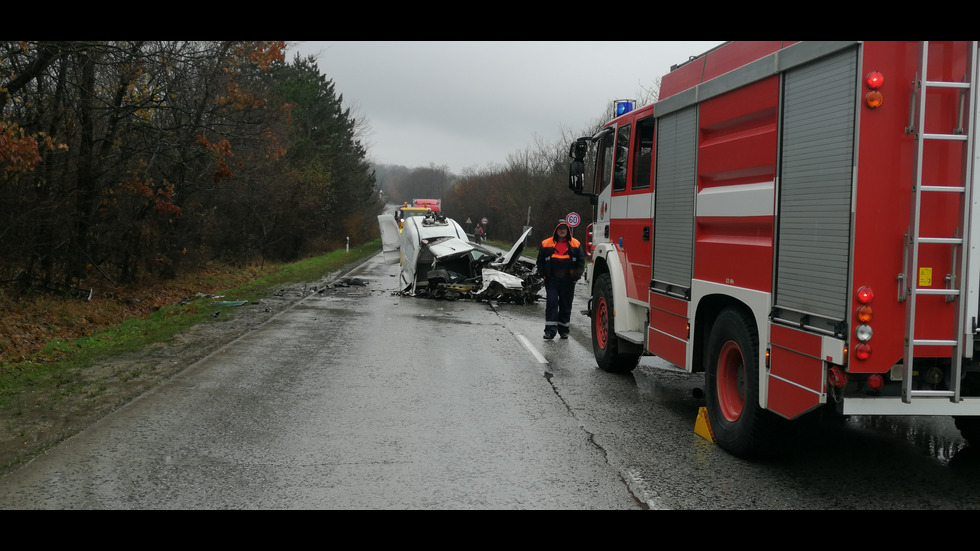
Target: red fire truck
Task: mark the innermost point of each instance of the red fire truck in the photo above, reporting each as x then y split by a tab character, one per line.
796	220
434	204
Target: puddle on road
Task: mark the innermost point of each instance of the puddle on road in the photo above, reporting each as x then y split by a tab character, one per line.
937	437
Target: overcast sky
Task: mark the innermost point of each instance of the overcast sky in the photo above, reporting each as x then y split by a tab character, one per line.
471	104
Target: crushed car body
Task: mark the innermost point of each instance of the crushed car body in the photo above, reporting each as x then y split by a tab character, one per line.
439	261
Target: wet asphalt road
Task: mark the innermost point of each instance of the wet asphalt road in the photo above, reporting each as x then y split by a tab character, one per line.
356	398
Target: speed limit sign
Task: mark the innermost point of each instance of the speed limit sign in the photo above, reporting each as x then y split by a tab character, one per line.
572	219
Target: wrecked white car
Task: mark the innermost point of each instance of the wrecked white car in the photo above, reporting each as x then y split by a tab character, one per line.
439	261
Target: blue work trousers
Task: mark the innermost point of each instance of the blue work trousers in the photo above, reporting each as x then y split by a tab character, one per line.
558	309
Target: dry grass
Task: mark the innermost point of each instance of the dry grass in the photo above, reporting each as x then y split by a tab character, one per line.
29	320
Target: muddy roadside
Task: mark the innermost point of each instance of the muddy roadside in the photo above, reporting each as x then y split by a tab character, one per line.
43	419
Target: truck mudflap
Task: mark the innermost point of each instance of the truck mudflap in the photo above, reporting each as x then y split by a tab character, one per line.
796	381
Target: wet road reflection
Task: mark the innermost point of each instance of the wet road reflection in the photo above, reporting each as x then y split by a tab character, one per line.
936	437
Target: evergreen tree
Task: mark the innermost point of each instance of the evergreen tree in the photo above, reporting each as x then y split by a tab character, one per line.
326	156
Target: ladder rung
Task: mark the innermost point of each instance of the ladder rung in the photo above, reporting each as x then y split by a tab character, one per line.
942	240
952	137
948	189
933	393
946	84
948	292
933	342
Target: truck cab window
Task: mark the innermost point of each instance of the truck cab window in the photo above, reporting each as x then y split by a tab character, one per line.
622	157
643	154
604	157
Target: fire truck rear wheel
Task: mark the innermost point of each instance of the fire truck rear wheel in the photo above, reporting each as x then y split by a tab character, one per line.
969	427
731	380
605	343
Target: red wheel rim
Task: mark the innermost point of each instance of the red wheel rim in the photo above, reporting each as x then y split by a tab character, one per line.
601	323
731	381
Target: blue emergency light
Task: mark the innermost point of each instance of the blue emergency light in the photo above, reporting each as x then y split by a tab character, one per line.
623	106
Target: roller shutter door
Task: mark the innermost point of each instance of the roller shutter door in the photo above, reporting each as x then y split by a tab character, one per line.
816	187
675	194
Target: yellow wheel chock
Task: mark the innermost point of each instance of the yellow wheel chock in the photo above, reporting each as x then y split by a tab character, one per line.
702	427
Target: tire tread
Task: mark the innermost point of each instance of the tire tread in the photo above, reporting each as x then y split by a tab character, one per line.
610	359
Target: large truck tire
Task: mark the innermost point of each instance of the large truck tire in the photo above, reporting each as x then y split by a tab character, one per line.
605	343
731	380
969	427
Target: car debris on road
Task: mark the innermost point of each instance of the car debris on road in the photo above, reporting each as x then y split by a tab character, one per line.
439	261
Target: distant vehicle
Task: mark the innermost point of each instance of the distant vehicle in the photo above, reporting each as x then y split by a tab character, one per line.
407	211
439	261
434	204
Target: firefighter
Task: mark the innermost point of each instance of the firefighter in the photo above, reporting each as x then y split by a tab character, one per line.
561	262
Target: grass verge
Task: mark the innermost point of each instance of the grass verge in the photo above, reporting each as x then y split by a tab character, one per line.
135	333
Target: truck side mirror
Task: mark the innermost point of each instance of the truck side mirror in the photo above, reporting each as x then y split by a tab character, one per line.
576	170
576	176
578	149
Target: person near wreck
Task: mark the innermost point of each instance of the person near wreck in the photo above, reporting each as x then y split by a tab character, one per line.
561	262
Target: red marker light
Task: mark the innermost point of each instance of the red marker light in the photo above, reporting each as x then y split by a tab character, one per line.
862	351
865	295
875	382
875	80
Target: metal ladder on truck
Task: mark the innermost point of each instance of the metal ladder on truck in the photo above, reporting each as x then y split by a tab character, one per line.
956	289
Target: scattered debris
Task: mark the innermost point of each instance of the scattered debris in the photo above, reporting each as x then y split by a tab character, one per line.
230	303
197	296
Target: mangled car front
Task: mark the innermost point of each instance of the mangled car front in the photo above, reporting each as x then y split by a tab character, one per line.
438	260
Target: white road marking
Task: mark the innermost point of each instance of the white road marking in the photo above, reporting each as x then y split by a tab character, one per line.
530	347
